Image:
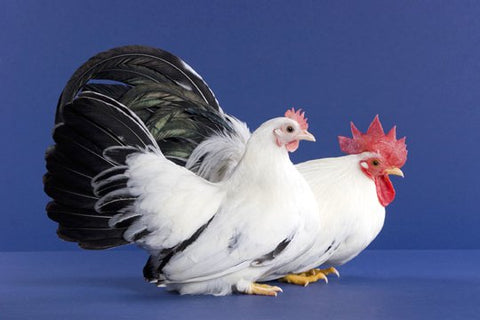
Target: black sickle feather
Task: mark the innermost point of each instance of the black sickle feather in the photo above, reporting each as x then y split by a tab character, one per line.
107	120
116	106
134	65
114	91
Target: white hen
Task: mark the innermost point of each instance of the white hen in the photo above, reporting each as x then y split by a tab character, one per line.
204	238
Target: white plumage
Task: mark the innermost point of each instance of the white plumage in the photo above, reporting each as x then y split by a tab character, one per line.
256	220
350	209
203	237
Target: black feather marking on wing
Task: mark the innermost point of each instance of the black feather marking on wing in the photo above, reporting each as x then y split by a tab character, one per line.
150	270
329	247
140	235
233	242
274	253
168	254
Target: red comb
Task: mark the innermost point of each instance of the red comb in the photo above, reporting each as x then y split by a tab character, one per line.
298	116
375	140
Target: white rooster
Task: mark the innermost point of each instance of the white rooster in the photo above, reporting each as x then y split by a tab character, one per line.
353	191
111	185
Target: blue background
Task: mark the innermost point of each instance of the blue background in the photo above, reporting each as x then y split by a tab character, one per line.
416	63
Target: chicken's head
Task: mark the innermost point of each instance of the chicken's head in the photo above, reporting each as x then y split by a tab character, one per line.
291	129
385	155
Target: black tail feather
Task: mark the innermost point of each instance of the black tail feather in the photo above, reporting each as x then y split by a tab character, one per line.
63	169
81	234
119	154
80	148
86	170
108	186
76	218
118	102
68	194
89	115
114	91
102	244
135	65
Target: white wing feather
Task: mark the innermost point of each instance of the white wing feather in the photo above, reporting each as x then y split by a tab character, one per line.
172	201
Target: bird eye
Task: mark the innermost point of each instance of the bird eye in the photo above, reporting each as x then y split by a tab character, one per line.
290	129
375	162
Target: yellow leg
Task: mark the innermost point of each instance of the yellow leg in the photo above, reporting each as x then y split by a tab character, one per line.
263	289
310	276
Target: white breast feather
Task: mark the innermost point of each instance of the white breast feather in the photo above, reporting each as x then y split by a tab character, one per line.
348	201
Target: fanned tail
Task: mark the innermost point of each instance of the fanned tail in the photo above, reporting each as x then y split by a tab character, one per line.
124	99
173	101
86	170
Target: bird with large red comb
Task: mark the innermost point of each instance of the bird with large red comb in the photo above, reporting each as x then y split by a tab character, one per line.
354	190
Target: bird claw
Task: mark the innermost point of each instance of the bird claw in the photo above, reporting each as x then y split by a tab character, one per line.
263	289
313	275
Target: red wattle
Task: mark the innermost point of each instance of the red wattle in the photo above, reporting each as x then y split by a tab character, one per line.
385	190
292	145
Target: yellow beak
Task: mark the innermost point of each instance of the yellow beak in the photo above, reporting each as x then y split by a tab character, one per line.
305	135
395	171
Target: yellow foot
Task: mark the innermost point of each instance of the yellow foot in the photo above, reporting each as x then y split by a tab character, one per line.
263	289
326	272
313	275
